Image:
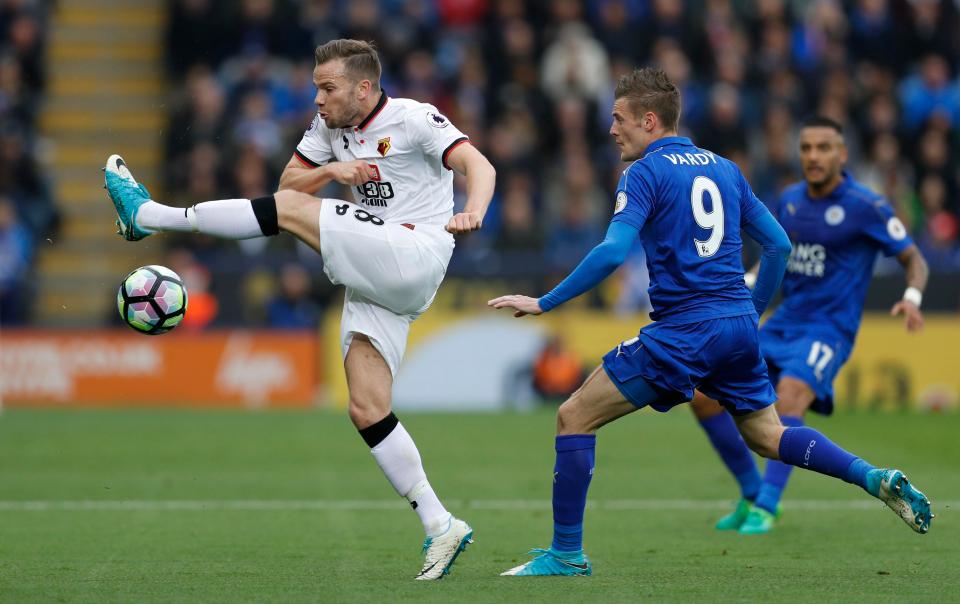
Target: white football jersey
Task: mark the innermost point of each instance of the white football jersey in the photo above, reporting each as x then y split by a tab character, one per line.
407	144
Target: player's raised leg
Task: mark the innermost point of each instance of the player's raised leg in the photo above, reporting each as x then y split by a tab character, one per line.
596	403
736	456
139	216
807	448
369	380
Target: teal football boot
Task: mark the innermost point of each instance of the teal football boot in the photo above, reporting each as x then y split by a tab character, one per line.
734	519
758	522
893	488
127	195
552	563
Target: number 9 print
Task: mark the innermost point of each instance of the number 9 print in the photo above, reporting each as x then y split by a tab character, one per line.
712	220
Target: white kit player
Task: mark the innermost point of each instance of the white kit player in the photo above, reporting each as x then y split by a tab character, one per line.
390	247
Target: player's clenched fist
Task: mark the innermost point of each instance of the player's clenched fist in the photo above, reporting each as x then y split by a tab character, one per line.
464	222
522	305
354	172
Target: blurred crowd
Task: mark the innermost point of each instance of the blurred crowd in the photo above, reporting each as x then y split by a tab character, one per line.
531	83
27	210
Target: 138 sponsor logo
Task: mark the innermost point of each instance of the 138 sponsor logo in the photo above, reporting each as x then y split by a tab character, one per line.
375	192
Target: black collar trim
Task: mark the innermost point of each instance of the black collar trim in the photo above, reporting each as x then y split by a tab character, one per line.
376	111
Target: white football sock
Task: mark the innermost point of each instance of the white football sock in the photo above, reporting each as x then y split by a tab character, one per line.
399	459
226	218
154	216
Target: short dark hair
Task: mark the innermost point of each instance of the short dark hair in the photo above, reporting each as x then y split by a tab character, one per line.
820	121
649	89
360	58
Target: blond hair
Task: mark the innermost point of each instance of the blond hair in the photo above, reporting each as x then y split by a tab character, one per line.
360	60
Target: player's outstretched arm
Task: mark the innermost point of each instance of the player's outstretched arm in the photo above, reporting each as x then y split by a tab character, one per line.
917	274
481	179
594	268
522	305
765	230
308	179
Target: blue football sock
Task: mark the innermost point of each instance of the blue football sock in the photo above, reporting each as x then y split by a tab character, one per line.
806	448
725	438
571	479
859	473
777	474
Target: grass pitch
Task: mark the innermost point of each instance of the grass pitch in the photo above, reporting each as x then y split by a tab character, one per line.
157	506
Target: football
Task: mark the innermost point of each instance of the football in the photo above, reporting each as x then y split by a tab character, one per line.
152	299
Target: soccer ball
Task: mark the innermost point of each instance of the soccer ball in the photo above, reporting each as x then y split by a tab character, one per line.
152	299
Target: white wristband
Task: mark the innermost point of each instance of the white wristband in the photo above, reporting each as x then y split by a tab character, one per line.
750	279
913	294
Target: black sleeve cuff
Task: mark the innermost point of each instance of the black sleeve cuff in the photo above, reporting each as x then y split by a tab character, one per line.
451	147
306	159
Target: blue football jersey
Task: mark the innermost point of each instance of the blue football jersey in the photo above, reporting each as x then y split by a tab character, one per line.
689	205
836	240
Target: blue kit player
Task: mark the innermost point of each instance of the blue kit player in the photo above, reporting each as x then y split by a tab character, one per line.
687	206
837	227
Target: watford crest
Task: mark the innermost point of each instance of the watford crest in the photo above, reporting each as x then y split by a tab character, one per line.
383	145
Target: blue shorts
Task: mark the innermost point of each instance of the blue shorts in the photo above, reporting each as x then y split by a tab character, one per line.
720	357
813	355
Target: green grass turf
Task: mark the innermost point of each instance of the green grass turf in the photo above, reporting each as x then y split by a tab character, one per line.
344	555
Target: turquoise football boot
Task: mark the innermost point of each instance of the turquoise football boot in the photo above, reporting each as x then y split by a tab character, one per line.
893	488
736	518
758	522
552	563
127	195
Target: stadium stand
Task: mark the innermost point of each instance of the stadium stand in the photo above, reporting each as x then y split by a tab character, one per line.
208	98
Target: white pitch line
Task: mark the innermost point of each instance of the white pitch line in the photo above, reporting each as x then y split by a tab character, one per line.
147	505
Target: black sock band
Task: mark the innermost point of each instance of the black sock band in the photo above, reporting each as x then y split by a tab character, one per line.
374	435
265	209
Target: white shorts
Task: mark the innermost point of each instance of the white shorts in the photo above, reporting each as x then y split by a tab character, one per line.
391	273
